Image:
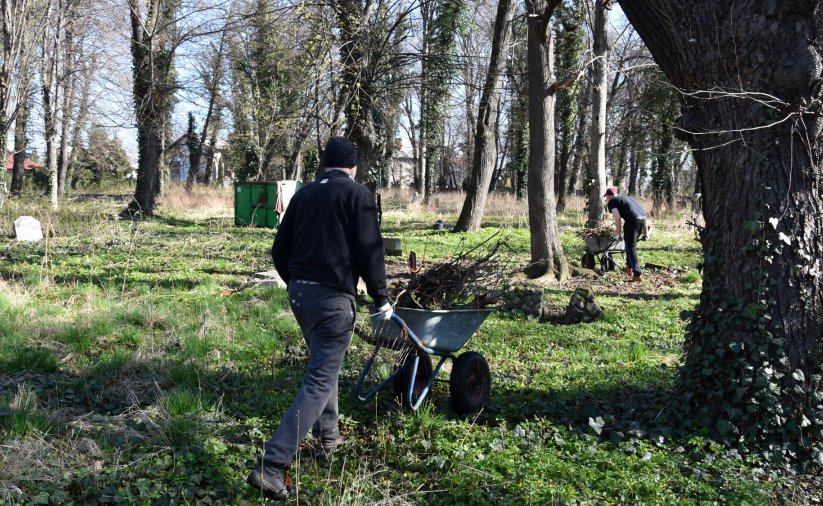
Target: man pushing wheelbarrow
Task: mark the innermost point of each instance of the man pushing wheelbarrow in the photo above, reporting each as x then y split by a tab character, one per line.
633	217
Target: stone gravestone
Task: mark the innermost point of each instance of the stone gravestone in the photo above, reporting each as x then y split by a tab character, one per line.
582	307
27	228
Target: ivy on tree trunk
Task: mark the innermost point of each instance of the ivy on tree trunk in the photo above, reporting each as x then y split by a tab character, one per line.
749	71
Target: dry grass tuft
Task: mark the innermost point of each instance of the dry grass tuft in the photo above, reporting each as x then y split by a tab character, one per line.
201	198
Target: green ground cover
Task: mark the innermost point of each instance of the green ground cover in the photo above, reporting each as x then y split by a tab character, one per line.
138	366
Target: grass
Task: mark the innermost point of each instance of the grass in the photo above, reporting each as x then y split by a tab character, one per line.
138	365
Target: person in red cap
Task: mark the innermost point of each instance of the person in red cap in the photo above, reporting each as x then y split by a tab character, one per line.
625	209
329	238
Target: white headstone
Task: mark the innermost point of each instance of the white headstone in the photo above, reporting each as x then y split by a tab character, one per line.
27	228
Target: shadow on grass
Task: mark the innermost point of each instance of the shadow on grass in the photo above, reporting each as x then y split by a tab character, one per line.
613	415
648	296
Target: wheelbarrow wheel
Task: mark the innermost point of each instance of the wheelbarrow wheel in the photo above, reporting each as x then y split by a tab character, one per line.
587	262
402	380
607	262
470	382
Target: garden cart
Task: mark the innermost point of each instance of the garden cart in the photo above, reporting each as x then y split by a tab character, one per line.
418	334
600	251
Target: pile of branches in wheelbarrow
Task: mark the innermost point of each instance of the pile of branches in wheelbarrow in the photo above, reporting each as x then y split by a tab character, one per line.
460	281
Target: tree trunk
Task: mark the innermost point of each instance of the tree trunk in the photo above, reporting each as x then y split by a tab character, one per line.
82	114
68	84
49	112
52	45
637	160
750	73
547	257
469	86
151	64
581	144
20	147
600	82
569	50
484	158
193	145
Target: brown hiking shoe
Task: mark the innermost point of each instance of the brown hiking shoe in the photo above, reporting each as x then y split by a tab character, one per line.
271	480
627	270
637	278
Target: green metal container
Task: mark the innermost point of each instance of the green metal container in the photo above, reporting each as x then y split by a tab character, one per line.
254	204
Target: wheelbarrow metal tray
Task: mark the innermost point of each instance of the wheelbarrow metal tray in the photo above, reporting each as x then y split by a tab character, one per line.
601	244
441	330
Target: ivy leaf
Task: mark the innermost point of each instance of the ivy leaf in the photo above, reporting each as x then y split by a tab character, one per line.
783	237
724	426
798	375
817	455
597	424
773	222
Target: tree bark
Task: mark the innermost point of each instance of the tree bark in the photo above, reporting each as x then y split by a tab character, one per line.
80	121
52	49
581	144
600	88
20	146
151	63
484	157
750	73
68	85
547	258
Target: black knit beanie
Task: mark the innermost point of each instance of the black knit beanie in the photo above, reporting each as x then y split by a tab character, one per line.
339	152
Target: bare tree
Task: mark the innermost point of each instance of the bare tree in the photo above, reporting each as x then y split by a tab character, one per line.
21	29
484	158
51	56
20	140
211	79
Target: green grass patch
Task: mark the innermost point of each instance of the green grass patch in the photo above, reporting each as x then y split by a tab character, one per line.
28	359
147	338
20	416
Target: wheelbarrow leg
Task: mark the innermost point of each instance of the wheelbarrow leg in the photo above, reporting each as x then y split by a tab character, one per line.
425	391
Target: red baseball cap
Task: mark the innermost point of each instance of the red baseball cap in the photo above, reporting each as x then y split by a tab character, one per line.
611	190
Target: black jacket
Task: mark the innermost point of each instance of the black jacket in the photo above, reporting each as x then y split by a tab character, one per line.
329	234
627	207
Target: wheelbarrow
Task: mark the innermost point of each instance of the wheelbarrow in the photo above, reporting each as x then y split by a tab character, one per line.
418	334
600	250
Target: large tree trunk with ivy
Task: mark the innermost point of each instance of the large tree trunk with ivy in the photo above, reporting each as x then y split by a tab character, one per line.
569	51
484	157
547	258
750	70
152	55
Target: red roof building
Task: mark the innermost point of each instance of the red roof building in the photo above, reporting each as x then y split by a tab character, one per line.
28	165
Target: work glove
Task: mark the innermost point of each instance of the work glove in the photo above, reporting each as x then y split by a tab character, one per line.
618	238
384	312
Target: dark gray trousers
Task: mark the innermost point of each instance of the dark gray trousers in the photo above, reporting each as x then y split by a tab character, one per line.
326	318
